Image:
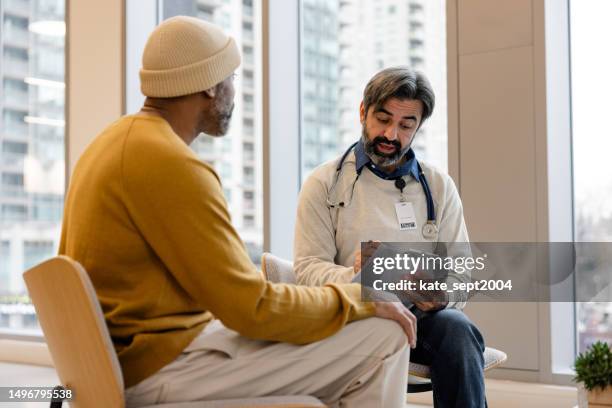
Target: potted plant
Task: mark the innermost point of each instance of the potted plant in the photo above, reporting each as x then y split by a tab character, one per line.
594	371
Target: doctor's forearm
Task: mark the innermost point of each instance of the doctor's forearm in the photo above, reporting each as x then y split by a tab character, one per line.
314	272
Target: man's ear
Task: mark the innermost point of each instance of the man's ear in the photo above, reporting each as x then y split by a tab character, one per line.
361	113
210	92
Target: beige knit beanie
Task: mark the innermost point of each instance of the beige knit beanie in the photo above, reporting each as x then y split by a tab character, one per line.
185	55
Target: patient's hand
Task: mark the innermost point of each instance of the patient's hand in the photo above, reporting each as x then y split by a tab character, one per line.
400	313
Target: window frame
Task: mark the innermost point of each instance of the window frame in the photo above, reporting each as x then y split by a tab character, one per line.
554	43
281	49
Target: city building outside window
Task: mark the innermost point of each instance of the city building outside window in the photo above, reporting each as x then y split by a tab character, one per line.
32	145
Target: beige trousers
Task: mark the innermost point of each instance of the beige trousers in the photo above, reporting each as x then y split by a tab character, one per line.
363	365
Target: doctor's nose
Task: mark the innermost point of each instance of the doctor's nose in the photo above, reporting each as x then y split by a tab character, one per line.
391	133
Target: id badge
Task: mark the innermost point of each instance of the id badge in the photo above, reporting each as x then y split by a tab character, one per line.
406	218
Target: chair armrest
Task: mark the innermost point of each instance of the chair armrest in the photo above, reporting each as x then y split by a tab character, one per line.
276	269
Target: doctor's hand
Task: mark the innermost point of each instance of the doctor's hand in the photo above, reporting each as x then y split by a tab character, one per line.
431	306
429	300
404	317
362	257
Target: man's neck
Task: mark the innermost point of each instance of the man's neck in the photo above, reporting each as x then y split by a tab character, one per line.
180	122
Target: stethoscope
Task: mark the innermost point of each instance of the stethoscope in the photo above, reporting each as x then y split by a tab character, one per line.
429	230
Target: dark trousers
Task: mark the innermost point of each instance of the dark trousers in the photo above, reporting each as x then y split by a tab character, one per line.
452	346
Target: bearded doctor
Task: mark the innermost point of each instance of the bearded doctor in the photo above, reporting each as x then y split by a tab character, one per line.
378	190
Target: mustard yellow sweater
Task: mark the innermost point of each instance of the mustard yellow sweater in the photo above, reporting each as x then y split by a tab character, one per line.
148	221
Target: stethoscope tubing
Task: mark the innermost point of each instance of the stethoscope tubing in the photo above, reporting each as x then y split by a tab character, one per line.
431	213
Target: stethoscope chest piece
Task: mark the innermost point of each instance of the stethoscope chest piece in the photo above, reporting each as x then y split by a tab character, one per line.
430	230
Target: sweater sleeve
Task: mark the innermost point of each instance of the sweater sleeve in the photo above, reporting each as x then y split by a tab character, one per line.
314	245
176	202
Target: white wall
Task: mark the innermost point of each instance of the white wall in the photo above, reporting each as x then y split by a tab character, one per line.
498	138
94	70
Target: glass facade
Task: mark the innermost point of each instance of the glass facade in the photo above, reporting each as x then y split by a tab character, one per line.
32	146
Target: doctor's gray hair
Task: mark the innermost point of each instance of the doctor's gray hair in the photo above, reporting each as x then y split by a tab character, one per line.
399	82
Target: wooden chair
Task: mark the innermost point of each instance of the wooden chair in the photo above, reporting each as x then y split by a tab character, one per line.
280	270
81	347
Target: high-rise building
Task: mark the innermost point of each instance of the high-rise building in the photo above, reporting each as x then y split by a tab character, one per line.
32	168
320	68
237	155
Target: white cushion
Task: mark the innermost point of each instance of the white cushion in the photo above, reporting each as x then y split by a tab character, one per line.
492	357
276	269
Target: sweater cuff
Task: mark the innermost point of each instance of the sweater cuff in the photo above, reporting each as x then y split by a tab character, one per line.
351	297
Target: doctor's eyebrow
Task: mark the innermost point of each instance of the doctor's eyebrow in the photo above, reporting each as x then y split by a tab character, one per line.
383	110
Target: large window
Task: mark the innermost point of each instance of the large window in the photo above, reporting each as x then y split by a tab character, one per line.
344	43
32	170
237	156
591	89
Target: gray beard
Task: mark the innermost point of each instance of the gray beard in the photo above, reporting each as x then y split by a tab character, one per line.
377	159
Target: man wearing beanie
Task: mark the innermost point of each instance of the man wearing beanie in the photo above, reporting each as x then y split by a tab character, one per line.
190	316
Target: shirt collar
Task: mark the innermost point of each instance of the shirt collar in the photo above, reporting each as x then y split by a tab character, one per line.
411	165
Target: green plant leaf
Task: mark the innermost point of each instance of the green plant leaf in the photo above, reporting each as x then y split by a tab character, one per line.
594	366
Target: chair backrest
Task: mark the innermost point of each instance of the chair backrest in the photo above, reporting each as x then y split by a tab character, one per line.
276	269
73	324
